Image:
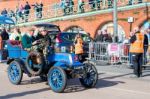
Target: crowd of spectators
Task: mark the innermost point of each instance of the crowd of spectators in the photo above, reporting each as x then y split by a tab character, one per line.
104	36
22	12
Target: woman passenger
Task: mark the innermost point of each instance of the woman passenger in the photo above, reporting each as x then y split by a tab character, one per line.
16	35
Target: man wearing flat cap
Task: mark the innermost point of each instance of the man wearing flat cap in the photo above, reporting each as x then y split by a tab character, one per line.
44	36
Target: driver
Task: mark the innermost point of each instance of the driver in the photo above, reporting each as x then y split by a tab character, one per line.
44	36
44	41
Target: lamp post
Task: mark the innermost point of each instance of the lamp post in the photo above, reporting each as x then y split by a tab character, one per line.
115	21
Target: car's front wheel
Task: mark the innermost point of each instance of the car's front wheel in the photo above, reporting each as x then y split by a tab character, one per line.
57	79
90	78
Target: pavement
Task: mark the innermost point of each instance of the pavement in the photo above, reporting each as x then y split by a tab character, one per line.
122	70
114	83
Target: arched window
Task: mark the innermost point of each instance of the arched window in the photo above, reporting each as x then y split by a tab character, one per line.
109	27
75	29
146	24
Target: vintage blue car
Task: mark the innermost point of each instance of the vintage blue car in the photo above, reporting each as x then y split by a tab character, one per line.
54	67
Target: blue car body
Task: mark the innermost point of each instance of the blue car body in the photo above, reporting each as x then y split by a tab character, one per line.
64	60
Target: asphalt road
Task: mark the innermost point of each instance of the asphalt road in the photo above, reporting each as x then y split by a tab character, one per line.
109	86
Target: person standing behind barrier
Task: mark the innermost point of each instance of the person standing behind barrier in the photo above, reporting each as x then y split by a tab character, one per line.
148	35
145	47
137	50
99	37
79	47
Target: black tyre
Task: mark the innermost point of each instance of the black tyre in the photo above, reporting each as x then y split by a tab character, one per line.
35	63
57	79
43	77
15	72
90	77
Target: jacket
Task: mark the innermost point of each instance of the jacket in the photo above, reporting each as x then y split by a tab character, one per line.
26	41
137	43
79	46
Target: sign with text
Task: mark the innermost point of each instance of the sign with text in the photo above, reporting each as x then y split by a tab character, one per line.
113	49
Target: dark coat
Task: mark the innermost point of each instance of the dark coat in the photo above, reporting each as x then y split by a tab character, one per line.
99	38
27	9
4	35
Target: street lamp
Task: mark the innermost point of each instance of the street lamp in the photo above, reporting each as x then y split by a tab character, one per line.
130	21
115	21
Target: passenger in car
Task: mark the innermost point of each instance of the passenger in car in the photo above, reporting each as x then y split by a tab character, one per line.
44	41
16	35
28	40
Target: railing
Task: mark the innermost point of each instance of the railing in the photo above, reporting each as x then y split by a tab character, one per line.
56	10
114	53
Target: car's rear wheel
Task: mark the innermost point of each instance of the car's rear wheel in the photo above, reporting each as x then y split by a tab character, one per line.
15	72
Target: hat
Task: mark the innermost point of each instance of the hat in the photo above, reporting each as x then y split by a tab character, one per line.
31	29
42	29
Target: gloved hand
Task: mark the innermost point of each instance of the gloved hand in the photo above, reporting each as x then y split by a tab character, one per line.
35	42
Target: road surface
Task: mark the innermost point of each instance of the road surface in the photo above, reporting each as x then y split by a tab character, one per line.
109	86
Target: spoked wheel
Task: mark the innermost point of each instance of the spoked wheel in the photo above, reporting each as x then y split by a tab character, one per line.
57	79
90	77
15	72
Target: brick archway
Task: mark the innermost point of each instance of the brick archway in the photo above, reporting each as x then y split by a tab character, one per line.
106	22
101	25
141	20
67	28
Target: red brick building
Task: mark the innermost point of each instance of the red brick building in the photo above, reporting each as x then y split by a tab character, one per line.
92	22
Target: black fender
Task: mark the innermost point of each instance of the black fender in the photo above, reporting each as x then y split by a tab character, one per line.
9	61
42	64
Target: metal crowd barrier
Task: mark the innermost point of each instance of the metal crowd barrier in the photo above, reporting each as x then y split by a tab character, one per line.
98	51
115	54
